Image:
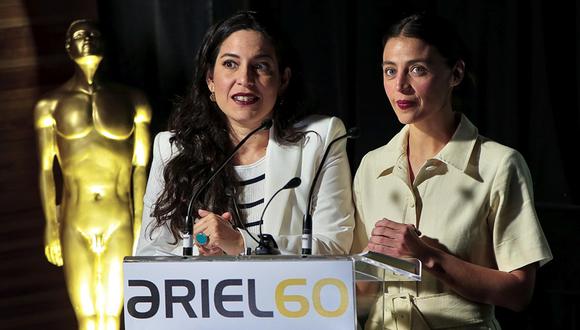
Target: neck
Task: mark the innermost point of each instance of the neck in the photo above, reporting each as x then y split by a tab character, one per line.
254	149
427	138
86	68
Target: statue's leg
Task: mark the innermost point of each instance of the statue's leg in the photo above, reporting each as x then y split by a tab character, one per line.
82	281
94	274
119	244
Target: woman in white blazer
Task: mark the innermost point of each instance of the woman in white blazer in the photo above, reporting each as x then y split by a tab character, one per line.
244	76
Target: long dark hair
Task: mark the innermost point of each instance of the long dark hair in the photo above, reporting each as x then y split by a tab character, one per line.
441	34
200	130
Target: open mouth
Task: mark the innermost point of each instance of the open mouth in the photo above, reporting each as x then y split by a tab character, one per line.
245	98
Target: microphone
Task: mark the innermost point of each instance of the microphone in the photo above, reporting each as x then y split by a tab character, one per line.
188	230
352	133
267	244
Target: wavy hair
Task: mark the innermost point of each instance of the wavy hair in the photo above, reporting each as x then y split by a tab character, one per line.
201	134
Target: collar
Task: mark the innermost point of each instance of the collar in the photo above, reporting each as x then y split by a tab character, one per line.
456	152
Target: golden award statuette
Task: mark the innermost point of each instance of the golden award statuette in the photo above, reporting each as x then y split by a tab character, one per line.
99	135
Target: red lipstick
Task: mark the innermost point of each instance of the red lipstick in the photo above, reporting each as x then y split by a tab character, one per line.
245	98
406	104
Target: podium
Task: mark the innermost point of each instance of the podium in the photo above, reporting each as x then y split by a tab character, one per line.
257	292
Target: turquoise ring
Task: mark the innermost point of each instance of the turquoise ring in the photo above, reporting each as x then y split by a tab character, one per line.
201	238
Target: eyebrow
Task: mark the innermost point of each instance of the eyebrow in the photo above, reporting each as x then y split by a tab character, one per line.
238	56
86	31
408	63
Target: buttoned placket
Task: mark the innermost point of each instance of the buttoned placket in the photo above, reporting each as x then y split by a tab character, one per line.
401	302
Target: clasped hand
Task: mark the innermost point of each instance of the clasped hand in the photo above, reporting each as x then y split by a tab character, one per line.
396	240
223	237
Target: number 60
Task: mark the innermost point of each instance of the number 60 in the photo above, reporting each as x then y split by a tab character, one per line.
282	298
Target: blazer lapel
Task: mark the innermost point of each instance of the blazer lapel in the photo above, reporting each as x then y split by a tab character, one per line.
282	164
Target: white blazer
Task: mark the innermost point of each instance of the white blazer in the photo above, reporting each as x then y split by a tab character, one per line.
332	215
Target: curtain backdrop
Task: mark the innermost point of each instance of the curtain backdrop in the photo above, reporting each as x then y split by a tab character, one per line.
525	64
527	81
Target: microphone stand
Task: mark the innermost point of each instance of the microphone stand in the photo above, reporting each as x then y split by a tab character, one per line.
267	244
352	133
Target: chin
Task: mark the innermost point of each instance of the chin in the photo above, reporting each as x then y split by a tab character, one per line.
405	118
246	121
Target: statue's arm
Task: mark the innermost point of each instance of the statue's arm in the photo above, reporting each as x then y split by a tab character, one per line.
44	124
141	155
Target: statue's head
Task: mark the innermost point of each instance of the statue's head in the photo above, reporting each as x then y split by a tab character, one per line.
83	38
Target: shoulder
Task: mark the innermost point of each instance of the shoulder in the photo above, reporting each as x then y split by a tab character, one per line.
496	153
44	109
369	164
163	146
380	153
382	157
502	162
325	126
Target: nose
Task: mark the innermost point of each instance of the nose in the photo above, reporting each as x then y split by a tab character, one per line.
246	76
402	83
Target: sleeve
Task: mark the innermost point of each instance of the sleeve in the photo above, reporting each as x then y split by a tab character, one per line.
332	199
156	241
249	243
518	239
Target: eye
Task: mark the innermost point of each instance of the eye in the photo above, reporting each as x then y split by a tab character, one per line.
263	67
418	70
79	35
229	64
389	72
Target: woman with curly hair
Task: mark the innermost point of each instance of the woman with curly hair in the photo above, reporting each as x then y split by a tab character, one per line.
244	75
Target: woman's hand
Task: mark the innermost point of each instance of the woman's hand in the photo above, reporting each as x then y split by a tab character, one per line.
478	283
223	238
396	240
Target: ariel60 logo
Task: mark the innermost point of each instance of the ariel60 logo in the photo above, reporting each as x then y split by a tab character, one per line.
273	294
216	299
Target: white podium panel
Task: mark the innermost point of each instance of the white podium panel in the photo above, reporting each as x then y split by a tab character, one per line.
271	292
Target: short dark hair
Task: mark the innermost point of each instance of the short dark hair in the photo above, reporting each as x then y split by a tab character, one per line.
83	21
435	31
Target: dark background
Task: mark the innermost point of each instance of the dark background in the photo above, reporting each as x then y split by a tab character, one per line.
525	64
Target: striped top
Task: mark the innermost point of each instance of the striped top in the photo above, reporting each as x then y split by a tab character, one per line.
251	197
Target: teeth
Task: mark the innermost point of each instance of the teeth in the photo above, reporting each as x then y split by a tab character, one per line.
244	98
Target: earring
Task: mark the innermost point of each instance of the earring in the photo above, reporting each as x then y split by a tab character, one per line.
212	96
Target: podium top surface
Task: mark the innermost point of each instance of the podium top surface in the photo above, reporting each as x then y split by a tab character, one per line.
368	266
252	258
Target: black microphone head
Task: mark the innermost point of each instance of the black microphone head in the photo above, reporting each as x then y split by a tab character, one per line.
267	245
266	124
293	183
353	133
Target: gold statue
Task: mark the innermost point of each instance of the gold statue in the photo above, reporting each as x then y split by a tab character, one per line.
99	134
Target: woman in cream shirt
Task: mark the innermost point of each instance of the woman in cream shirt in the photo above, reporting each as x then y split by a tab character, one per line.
442	193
